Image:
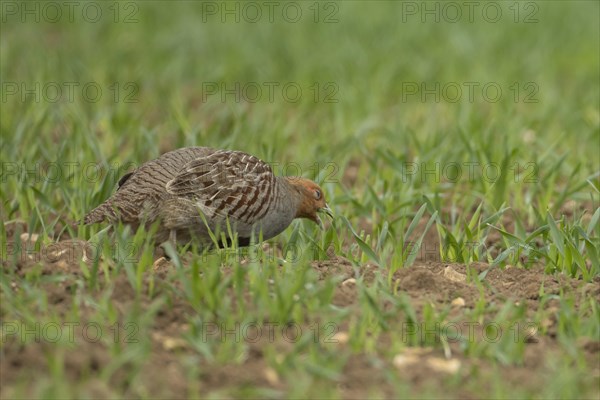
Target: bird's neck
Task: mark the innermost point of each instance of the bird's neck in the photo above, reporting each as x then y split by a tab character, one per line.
297	196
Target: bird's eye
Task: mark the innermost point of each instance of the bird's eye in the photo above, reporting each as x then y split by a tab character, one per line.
317	194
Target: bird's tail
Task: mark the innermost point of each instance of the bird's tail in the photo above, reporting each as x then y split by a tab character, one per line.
101	213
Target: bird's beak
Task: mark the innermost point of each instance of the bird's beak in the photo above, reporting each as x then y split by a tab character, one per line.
325	210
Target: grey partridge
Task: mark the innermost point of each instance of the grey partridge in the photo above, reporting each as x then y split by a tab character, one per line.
193	189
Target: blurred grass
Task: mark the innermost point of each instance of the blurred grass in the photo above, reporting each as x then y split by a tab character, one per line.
369	136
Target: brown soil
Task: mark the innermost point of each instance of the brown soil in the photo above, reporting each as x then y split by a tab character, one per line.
426	284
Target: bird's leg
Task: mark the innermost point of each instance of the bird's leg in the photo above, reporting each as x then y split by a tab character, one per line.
173	238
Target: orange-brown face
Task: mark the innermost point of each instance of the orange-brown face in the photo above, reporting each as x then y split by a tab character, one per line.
313	200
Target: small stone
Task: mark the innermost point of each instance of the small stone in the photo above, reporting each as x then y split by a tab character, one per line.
62	265
32	238
454	276
458	302
404	360
442	365
173	343
58	253
161	264
271	376
169	343
340	337
409	356
350	282
547	323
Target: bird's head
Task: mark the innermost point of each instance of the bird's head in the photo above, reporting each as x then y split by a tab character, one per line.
312	200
